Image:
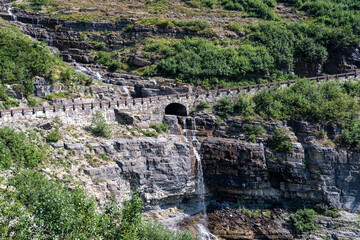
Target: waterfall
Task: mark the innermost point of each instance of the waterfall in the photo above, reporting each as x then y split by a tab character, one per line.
204	233
13	16
190	136
15	19
127	91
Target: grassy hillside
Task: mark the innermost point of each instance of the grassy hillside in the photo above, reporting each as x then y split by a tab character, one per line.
265	47
21	59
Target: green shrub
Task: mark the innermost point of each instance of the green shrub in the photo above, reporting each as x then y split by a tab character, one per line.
224	107
37	4
203	105
255	130
257	8
57	211
148	133
309	100
99	126
244	105
350	136
252	138
303	220
279	141
156	231
35	206
198	61
54	135
193	25
236	27
108	59
160	128
19	149
321	208
57	95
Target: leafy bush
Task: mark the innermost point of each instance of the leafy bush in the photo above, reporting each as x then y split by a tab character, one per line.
279	141
289	41
303	220
350	136
244	105
16	148
236	27
255	130
99	126
203	105
148	133
160	127
337	13
309	100
57	211
257	8
33	206
5	100
201	3
321	208
224	107
37	4
54	135
153	230
199	61
108	59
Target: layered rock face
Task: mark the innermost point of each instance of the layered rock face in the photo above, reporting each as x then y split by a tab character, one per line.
162	169
314	172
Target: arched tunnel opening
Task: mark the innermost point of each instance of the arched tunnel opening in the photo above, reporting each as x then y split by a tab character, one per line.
175	109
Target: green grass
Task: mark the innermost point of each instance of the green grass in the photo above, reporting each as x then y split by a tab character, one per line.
21	59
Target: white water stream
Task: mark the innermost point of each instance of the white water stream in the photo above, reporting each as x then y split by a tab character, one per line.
190	136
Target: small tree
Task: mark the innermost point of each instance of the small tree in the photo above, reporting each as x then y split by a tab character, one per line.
99	126
303	220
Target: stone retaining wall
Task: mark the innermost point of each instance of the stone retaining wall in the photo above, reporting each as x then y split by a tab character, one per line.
145	110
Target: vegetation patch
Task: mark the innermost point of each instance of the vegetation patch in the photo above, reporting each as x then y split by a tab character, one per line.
160	128
18	149
54	135
99	127
37	207
279	141
303	220
21	59
256	8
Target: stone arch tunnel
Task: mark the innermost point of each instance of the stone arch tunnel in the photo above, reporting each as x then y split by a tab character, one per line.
176	109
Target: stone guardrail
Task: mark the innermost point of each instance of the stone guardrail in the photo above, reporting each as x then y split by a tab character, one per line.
170	96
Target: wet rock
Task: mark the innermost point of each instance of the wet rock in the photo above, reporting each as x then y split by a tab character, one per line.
172	122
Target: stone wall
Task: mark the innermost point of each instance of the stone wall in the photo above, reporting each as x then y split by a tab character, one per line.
144	110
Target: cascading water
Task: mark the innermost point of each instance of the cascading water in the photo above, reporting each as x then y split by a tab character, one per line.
11	14
97	76
15	19
190	136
